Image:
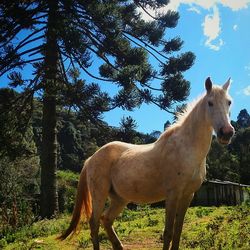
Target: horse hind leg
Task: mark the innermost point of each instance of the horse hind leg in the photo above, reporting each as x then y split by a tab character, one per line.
99	197
94	223
116	206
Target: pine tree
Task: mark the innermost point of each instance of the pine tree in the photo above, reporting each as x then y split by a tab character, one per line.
56	37
243	119
127	129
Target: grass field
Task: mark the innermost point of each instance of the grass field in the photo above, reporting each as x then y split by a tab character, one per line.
204	228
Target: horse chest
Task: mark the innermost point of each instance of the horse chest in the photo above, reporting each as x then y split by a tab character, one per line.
194	178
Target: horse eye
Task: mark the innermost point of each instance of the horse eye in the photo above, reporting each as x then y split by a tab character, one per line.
210	104
229	103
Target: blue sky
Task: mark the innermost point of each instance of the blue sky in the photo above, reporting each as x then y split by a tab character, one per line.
218	33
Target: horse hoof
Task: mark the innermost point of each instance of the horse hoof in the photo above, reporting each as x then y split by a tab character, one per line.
120	247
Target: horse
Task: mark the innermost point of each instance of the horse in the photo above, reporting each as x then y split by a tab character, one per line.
171	169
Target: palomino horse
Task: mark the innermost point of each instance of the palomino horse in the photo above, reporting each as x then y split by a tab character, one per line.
170	169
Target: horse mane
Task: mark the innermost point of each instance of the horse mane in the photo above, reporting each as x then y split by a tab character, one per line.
181	118
185	113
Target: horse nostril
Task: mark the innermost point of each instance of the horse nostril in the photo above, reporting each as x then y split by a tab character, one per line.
230	133
220	133
225	133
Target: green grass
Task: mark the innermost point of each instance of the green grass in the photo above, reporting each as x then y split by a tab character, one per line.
68	176
205	228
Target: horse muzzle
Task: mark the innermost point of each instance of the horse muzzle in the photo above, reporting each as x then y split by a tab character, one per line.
225	134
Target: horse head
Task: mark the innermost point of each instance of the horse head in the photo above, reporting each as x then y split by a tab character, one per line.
218	102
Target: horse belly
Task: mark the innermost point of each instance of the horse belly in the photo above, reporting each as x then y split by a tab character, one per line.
137	193
140	186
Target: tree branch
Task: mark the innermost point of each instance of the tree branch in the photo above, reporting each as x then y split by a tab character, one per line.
151	53
144	9
62	67
14	32
29	50
36	51
3	71
91	75
102	57
24	41
156	103
148	86
146	44
27	42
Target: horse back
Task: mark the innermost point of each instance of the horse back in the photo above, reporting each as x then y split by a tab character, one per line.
99	165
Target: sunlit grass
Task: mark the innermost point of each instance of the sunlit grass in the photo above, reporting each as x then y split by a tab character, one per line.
204	228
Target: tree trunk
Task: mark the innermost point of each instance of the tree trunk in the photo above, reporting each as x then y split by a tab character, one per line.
49	195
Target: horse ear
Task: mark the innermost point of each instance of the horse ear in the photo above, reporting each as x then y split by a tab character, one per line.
208	84
227	84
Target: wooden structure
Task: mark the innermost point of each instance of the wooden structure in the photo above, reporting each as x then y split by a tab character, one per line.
216	192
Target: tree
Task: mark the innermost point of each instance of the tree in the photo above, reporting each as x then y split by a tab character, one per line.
56	37
243	119
19	164
127	129
155	134
241	147
75	144
223	164
13	125
167	124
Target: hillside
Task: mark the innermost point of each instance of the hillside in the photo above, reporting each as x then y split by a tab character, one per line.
204	228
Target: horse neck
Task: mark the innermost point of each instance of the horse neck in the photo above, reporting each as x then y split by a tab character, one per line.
194	133
197	131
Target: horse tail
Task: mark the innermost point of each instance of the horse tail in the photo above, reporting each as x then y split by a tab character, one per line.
83	202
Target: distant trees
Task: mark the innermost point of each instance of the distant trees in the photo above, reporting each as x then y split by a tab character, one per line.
127	131
166	124
232	163
13	124
223	164
76	142
243	119
19	163
56	37
156	134
241	148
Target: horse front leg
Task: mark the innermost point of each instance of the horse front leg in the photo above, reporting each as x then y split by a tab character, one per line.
180	214
170	214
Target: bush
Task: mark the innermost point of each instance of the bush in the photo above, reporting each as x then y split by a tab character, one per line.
67	186
18	189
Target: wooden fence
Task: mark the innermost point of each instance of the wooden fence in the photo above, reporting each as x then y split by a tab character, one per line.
215	193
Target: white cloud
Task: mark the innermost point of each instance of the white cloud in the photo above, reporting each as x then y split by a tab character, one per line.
212	29
211	24
235	27
247	68
194	9
246	91
205	4
215	47
235	4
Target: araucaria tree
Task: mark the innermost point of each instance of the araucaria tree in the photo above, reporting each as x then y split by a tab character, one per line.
54	40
